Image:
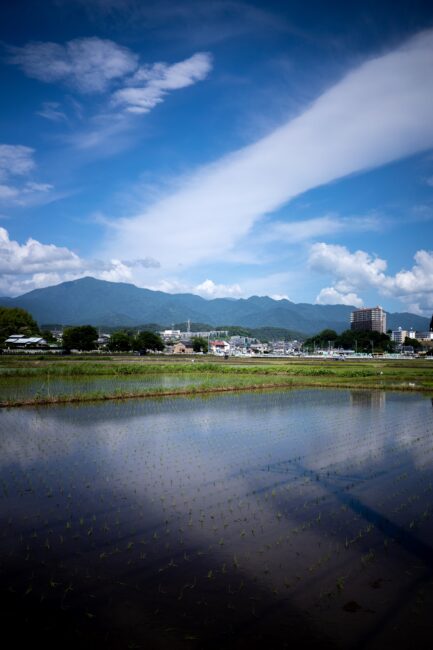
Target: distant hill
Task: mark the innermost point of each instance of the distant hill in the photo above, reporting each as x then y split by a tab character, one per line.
117	304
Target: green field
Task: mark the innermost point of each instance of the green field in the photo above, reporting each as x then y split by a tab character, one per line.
201	375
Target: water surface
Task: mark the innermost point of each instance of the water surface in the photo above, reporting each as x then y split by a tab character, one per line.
286	518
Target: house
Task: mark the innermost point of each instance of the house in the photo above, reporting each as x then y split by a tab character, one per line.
182	347
219	347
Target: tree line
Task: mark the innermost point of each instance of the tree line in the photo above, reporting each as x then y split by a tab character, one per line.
85	337
355	340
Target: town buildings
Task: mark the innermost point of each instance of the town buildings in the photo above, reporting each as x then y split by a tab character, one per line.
399	336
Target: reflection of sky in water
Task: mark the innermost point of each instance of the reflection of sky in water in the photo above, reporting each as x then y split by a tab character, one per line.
275	482
217	437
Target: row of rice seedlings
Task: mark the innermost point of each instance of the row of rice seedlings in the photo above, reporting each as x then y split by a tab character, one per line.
198	504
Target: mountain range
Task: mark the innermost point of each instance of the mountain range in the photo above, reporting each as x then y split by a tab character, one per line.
117	304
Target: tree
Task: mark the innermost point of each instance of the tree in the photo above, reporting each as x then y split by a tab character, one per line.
199	344
83	337
120	342
49	338
148	341
431	324
362	341
14	320
321	340
414	343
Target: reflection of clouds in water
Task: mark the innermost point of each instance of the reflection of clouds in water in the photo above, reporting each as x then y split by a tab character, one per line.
204	454
220	433
30	436
365	430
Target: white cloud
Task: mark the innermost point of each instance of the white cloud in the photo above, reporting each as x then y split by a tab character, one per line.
109	131
353	269
88	65
378	113
144	262
429	181
33	265
151	83
37	187
298	231
360	271
119	272
208	289
417	283
330	296
51	111
8	192
15	160
91	65
33	257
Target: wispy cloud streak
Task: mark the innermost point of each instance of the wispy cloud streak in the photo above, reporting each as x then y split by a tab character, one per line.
86	64
378	113
151	83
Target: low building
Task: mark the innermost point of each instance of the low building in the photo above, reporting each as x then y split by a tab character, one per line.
179	335
170	335
399	336
424	336
259	348
426	340
219	347
182	347
20	341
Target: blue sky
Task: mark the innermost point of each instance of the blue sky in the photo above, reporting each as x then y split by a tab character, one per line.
221	148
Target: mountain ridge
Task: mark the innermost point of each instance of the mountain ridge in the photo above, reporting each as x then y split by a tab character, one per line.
100	302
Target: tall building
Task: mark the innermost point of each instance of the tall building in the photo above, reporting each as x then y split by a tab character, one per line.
369	319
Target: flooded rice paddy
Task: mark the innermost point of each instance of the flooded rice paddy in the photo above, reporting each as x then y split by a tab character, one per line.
282	519
32	387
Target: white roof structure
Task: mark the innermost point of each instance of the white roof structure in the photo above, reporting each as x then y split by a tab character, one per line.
20	339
